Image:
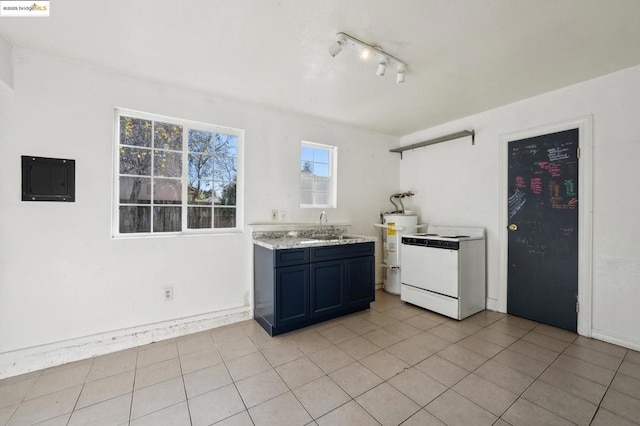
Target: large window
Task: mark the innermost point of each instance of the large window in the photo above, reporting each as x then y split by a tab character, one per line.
318	175
175	176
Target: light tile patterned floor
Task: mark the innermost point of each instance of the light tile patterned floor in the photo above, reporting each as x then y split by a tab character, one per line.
394	364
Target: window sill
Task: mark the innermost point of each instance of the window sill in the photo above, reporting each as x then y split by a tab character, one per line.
226	231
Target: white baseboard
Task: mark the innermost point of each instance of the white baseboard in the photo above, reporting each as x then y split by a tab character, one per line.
492	305
616	340
36	358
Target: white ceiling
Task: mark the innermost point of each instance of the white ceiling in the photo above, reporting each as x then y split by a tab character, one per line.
464	56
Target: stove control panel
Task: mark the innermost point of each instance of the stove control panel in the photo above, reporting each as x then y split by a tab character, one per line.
426	242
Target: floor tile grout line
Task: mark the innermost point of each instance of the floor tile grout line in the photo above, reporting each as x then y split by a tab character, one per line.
84	383
576	396
77	398
22	401
184	385
613	378
398	321
233	381
497	354
378	385
491	358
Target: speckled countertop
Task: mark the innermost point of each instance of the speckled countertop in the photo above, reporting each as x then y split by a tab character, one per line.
276	240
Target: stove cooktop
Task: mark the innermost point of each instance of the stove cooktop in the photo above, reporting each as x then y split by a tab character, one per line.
450	233
440	237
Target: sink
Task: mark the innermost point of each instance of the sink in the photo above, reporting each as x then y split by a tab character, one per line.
326	237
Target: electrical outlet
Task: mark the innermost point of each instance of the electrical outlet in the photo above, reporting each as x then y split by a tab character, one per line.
274	215
168	293
283	215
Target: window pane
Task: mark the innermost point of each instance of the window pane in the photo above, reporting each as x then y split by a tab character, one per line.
321	185
321	155
167	136
200	167
200	192
135	131
225	145
200	141
225	217
320	169
135	161
306	197
306	184
306	167
167	219
307	154
198	217
225	168
167	163
321	198
135	219
224	193
135	190
167	191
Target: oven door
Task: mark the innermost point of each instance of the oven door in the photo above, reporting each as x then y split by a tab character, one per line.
429	268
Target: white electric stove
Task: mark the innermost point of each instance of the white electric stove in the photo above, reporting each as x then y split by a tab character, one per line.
443	270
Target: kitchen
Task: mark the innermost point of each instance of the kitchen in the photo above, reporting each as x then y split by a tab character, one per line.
69	291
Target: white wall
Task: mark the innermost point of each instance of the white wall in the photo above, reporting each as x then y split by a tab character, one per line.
6	66
457	183
61	274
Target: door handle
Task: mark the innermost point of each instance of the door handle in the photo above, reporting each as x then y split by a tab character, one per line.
513	227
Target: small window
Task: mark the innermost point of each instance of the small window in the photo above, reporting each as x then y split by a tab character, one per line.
318	182
174	176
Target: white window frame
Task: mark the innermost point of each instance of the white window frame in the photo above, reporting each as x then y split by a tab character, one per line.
187	125
333	175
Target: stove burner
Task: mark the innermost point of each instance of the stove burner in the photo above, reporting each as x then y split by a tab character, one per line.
455	236
427	235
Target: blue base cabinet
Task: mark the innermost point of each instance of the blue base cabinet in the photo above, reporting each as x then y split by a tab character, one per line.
328	289
360	274
292	293
297	287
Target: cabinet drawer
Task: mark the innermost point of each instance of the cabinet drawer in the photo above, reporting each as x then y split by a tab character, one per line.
432	301
343	251
289	257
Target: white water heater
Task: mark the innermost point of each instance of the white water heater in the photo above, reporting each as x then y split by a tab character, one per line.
394	226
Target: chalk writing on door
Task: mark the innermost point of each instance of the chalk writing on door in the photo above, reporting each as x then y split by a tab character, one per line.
516	201
558	154
536	185
569	187
532	247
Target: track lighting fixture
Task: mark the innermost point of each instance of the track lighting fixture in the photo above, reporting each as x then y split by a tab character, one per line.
366	51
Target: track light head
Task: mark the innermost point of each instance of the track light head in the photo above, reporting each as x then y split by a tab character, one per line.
336	47
382	67
400	75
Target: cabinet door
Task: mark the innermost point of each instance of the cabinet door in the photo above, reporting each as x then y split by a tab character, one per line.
360	280
292	295
327	287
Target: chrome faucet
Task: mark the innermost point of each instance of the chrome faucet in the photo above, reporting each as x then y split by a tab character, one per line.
326	220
